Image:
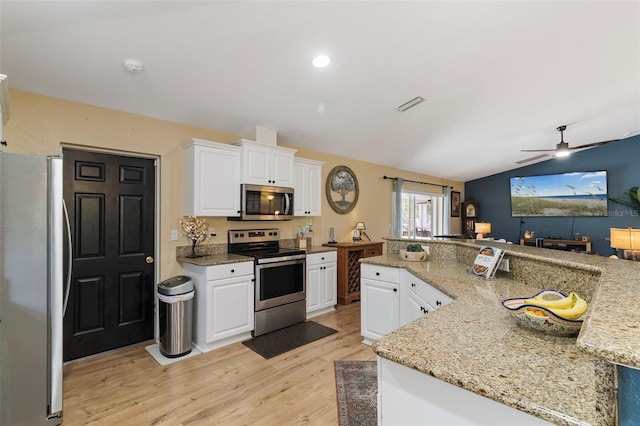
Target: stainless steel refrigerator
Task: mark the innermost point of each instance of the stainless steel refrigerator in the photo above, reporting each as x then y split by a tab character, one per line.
32	238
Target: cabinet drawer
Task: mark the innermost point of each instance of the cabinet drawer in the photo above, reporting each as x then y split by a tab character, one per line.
373	251
229	270
426	291
380	273
324	257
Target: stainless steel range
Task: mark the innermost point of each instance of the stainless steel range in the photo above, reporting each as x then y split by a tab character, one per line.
280	283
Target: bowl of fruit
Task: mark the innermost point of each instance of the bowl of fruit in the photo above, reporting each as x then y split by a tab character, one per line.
549	311
413	253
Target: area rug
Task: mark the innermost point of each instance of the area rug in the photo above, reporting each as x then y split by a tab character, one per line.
356	392
288	338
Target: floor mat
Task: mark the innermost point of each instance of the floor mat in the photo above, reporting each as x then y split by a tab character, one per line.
283	340
154	350
356	392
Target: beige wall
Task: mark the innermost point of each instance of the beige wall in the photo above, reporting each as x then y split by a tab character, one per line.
41	125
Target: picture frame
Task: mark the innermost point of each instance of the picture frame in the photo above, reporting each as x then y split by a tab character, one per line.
342	189
455	204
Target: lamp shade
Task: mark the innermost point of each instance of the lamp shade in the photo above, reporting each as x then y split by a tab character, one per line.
482	227
625	239
360	226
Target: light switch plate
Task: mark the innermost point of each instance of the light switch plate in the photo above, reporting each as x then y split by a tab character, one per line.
174	235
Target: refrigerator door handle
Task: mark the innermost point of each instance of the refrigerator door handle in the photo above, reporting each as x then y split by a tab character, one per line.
67	287
56	236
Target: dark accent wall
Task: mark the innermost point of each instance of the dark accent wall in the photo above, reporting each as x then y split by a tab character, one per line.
620	159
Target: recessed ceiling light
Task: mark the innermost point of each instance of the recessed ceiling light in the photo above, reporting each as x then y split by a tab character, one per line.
321	61
132	65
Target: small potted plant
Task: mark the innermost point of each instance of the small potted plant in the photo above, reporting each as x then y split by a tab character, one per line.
196	230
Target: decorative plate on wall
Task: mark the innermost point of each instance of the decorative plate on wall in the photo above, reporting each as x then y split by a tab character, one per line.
342	189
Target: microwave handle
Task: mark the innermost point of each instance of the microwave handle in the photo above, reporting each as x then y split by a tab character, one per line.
287	204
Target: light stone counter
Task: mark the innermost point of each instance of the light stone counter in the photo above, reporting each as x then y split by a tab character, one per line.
473	343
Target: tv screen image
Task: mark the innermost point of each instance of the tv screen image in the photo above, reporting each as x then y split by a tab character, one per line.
565	194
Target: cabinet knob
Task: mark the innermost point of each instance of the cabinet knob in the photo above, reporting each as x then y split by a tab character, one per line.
395	289
438	303
233	271
413	284
377	274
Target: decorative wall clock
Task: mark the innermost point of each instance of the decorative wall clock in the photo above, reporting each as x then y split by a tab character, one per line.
342	189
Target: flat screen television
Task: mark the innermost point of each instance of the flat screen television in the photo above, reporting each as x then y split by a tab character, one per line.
565	194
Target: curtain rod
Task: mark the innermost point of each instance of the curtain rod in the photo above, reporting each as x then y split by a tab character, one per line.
417	181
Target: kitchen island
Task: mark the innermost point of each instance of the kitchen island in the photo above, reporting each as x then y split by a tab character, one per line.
473	343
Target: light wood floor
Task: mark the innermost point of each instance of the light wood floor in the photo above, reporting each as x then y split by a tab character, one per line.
228	386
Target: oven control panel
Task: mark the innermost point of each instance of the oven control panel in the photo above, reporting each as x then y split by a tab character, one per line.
237	236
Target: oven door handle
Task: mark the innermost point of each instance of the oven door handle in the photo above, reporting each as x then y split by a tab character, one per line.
282	259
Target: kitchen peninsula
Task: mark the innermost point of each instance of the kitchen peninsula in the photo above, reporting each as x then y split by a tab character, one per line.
476	347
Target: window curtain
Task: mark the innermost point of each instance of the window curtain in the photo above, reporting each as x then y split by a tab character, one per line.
446	225
396	214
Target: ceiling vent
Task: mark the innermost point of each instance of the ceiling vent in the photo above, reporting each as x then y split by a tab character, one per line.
410	104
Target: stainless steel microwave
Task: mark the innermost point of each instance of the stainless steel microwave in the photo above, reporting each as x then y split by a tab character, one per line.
265	203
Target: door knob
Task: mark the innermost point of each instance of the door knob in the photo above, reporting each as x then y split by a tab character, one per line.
149	259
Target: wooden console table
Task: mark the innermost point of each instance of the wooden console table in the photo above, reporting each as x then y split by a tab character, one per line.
349	255
557	244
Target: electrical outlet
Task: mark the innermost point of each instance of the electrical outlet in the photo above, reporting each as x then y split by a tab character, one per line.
426	249
504	265
212	232
174	235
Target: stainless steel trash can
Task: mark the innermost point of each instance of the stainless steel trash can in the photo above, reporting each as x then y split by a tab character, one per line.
175	308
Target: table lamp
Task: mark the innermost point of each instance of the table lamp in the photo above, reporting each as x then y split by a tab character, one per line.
482	229
627	240
358	231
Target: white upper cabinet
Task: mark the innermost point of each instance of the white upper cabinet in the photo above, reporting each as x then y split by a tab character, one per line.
307	182
211	178
266	164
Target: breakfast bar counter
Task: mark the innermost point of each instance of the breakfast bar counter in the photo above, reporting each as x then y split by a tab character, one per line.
474	344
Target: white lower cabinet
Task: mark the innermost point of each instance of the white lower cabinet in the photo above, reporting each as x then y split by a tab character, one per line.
380	301
393	297
410	397
223	304
322	291
418	298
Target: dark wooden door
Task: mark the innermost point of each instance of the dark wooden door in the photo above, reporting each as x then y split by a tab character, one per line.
111	202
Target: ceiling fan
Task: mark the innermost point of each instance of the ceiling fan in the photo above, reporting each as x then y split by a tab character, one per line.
563	149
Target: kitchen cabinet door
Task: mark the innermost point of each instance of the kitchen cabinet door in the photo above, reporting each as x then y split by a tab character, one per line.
229	310
379	309
266	165
307	182
322	294
211	179
415	308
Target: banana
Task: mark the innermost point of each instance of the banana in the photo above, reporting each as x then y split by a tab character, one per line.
563	303
576	311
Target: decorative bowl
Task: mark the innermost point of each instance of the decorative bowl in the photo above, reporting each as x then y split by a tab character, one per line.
413	256
547	321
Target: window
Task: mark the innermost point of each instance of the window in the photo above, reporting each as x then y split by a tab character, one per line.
422	214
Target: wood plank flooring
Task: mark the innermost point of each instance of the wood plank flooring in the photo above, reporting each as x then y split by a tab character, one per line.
228	386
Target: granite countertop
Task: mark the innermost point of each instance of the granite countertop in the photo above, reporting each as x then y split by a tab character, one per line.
214	258
475	344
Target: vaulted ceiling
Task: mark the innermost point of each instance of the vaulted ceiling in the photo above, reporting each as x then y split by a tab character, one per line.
497	77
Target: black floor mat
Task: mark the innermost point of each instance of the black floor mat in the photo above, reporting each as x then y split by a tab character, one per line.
283	340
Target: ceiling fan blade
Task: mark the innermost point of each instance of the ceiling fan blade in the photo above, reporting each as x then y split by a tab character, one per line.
537	150
589	145
527	160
